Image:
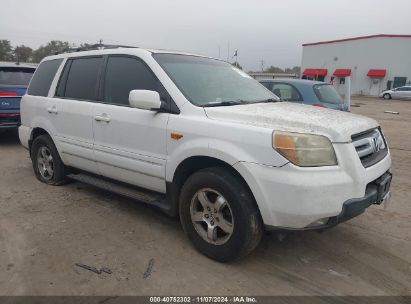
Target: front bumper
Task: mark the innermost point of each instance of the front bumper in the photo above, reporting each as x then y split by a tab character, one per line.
292	197
375	193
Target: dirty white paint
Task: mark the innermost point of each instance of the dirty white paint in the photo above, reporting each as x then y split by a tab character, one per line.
338	126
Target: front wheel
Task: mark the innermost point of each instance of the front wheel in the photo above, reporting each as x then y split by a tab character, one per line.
387	96
47	164
219	214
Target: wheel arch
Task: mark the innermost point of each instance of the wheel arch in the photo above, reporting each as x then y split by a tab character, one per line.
189	166
36	132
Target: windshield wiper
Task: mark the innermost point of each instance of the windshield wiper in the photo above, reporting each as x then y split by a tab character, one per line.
268	100
237	102
224	103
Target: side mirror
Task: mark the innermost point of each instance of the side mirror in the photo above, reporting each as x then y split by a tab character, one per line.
145	100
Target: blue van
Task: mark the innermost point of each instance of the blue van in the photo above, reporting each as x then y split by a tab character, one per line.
309	92
14	80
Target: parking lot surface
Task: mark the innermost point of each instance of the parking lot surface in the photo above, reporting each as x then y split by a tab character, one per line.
46	230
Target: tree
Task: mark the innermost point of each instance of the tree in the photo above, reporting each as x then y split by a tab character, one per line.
23	53
6	51
50	48
274	69
294	70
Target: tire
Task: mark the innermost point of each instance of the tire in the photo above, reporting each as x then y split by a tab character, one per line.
47	164
387	96
235	221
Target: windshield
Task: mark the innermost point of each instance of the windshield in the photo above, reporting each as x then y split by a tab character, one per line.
15	75
206	82
327	93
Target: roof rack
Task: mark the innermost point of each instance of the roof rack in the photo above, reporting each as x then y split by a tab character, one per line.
97	46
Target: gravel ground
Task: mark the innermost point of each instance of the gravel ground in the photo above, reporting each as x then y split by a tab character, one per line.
45	230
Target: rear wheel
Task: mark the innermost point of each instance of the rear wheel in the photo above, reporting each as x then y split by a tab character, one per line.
387	96
47	163
219	214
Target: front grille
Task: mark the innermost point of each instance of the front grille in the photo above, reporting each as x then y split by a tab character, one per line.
370	146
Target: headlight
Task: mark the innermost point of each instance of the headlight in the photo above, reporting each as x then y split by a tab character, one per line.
305	150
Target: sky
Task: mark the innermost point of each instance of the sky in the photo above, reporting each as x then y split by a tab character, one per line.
271	31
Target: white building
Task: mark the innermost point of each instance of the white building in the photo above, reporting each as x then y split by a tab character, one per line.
375	63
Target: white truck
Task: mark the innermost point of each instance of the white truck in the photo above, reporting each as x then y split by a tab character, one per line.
200	139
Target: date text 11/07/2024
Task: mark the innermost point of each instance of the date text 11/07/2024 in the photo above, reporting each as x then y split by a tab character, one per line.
207	299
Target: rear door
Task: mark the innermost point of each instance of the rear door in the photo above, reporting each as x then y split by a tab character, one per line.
130	143
75	95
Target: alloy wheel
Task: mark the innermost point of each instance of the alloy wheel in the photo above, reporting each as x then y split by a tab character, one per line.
45	163
212	216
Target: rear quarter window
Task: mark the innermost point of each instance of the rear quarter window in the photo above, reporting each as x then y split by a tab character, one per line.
327	93
15	75
43	77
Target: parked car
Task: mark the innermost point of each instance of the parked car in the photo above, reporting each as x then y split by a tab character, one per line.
14	79
397	93
201	139
304	91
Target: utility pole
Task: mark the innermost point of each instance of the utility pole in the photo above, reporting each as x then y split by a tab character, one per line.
262	65
219	52
228	50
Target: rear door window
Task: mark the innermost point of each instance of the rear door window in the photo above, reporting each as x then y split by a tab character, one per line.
43	77
15	75
124	74
83	78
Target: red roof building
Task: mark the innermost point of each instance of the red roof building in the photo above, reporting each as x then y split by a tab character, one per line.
374	62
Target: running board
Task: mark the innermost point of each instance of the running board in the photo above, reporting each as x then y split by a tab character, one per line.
129	191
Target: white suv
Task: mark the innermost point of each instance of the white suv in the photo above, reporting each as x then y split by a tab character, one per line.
200	139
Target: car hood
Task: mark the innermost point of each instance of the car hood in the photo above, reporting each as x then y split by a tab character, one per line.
338	126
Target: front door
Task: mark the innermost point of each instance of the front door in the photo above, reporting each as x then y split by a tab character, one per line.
129	143
401	92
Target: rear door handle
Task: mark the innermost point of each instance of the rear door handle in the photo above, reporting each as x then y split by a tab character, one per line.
103	117
52	110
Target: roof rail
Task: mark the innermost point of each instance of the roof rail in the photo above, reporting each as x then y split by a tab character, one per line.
97	46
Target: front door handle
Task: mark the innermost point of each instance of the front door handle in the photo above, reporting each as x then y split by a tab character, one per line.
103	117
52	110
